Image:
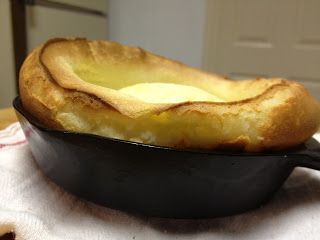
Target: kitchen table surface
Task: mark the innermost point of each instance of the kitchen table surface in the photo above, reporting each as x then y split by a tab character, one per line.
7	116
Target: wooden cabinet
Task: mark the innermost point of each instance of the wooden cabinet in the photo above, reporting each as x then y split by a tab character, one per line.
43	22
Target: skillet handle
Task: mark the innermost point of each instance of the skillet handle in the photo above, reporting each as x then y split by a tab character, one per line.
309	157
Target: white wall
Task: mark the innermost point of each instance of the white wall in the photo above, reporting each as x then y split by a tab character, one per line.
172	28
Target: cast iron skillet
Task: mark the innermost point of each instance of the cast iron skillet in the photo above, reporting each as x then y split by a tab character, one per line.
160	181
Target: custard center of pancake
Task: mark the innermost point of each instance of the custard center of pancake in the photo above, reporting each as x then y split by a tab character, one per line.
160	87
168	93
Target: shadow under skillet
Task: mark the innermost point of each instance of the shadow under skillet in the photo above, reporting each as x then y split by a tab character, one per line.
301	189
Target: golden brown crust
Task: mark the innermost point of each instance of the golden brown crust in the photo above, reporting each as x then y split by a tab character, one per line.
278	113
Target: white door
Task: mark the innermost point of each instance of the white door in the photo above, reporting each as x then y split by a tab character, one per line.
252	38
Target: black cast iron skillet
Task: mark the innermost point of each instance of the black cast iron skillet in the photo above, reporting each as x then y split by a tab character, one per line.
160	181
